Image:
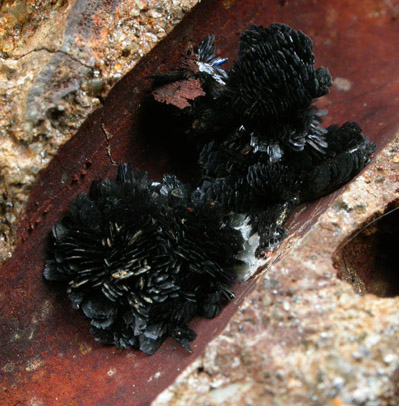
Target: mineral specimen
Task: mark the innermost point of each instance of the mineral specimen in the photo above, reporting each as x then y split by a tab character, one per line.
262	149
141	258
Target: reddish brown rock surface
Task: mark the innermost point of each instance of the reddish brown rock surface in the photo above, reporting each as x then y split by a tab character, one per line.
303	336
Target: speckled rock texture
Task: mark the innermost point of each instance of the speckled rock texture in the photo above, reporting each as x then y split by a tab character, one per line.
305	337
58	60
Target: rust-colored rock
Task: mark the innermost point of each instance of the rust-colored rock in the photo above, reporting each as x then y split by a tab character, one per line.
303	336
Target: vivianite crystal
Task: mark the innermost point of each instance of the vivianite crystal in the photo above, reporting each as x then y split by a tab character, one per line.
142	259
262	150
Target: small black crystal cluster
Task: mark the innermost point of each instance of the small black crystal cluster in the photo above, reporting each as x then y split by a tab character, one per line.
140	258
262	149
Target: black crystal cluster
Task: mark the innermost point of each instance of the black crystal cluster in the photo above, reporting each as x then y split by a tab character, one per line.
261	146
140	258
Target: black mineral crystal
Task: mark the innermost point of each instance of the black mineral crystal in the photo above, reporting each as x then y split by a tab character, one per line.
261	147
140	260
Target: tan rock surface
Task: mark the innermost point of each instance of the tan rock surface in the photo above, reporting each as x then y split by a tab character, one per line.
58	60
304	337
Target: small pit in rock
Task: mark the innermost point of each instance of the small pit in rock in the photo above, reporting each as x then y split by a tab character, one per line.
369	261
